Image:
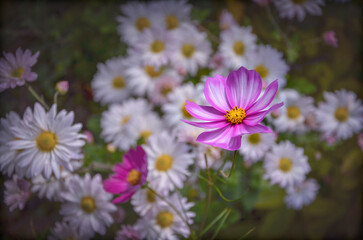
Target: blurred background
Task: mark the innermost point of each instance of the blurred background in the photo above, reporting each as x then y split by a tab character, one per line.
73	37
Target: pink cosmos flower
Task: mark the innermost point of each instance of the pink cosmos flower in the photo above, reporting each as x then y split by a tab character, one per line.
330	38
129	175
237	108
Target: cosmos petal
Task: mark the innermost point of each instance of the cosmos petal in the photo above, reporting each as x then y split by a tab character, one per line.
208	125
215	93
265	100
256	118
203	112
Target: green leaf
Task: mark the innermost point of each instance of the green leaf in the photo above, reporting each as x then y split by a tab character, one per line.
270	197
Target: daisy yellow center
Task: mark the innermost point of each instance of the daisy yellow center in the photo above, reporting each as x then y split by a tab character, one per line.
142	23
235	115
150	196
254	138
134	177
164	219
293	112
171	22
17	72
239	48
88	204
186	114
285	164
145	134
125	119
298	1
46	141
165	90
152	72
262	70
157	46
118	82
341	114
188	50
164	162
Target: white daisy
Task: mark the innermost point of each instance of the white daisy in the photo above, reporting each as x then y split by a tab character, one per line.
16	192
187	133
341	115
116	122
145	201
269	63
48	141
237	44
168	162
146	125
65	231
214	156
227	20
163	86
154	48
110	84
87	205
191	49
174	12
294	113
137	16
286	165
298	8
254	146
128	232
301	194
165	223
175	109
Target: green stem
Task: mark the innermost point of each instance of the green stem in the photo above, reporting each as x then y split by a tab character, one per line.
55	97
276	25
233	163
37	97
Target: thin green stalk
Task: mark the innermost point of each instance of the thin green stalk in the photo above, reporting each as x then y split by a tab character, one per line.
221	224
246	234
233	163
40	99
215	220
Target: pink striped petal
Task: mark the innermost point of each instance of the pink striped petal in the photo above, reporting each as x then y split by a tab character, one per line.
215	93
123	198
114	186
203	112
265	100
208	125
235	143
217	138
243	87
256	118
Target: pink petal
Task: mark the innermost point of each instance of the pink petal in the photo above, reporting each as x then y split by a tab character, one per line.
208	125
256	118
123	198
243	87
235	143
114	186
203	112
217	138
215	93
266	99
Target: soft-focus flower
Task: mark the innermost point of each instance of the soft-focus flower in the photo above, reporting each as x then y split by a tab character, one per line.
286	165
16	192
65	231
128	232
129	175
301	194
341	115
214	156
110	84
89	136
144	201
237	44
298	8
237	108
62	87
163	86
47	141
227	20
168	162
87	205
330	38
254	146
15	69
145	129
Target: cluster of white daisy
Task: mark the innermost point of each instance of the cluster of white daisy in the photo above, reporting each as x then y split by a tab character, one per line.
145	93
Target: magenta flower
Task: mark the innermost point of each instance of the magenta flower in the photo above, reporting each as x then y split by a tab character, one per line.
237	108
129	175
330	38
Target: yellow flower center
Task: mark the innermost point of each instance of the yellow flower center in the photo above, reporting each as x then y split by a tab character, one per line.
125	119
165	90
254	138
239	48
145	134
341	114
142	23
262	70
46	141
118	82
186	114
171	22
293	112
17	72
188	50
157	46
134	177
150	70
235	115
150	196
88	204
298	1
164	162
285	164
164	219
